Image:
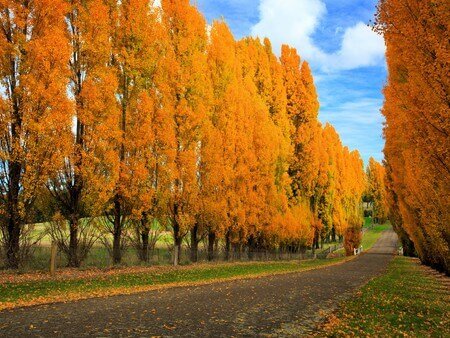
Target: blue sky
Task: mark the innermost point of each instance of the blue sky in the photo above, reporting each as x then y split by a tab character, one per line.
347	58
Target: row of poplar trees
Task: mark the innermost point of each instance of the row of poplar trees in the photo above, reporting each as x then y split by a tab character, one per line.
129	112
417	106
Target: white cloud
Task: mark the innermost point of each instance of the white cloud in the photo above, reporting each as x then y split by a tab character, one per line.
295	21
291	22
360	47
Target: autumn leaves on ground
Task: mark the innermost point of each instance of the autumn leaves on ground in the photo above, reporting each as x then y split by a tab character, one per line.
134	129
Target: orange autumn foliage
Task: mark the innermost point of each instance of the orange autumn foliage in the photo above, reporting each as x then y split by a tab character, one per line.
172	122
135	36
417	122
35	114
86	182
186	29
376	190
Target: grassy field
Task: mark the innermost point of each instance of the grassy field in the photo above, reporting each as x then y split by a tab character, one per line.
100	258
40	230
407	301
367	222
43	290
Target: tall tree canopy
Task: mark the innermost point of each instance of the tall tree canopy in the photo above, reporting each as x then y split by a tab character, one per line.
84	184
34	109
192	98
126	116
376	191
417	121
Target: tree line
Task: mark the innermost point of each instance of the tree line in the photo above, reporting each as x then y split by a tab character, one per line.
123	114
418	125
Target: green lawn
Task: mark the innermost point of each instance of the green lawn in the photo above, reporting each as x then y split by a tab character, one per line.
41	291
406	301
367	222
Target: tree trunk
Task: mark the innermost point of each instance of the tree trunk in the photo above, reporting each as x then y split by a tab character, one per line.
75	192
175	255
13	178
408	247
250	244
194	243
73	259
143	232
316	239
117	232
313	248
13	250
176	238
333	234
144	248
227	244
211	240
239	251
14	221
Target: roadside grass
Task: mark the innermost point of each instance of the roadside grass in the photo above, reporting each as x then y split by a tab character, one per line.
407	301
24	293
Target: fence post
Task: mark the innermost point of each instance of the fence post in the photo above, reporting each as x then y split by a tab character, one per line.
53	253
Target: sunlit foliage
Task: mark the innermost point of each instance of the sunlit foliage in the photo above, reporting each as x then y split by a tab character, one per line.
417	122
126	114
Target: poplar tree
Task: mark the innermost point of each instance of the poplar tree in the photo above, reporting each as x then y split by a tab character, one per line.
417	125
187	36
85	183
376	190
133	35
34	110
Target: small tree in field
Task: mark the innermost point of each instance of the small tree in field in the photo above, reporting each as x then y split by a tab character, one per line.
352	239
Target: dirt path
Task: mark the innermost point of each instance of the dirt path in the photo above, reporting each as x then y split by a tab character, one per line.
283	305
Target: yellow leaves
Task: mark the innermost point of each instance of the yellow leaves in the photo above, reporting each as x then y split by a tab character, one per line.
417	129
161	114
37	109
376	191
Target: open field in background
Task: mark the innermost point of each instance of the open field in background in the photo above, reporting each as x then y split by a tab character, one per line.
368	221
410	300
162	255
40	230
371	233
